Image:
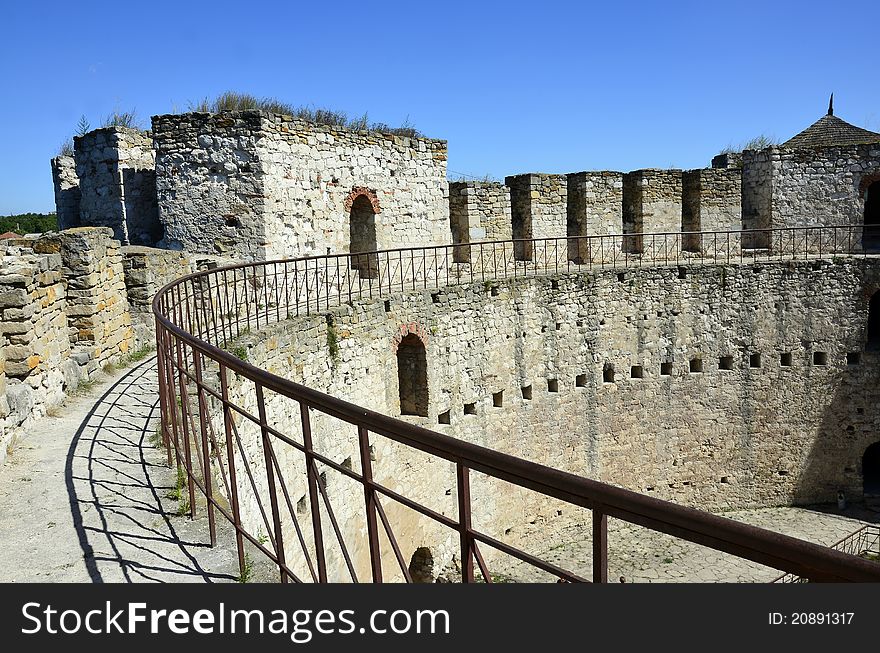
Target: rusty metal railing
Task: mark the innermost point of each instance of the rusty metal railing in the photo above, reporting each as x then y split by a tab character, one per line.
864	542
245	438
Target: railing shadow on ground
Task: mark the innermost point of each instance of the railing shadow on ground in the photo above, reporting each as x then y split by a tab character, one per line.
116	482
228	449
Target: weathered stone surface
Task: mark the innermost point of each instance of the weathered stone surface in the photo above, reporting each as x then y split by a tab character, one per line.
258	185
670	383
117	182
67	192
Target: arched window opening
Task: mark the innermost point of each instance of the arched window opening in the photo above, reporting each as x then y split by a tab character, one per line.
421	565
362	238
412	376
871	239
874	322
871	471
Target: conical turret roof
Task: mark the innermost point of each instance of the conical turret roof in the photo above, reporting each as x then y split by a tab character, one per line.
830	131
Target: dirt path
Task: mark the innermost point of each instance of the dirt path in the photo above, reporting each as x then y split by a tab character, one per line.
84	497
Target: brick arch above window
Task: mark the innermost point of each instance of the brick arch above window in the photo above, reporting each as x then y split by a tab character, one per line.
406	329
359	191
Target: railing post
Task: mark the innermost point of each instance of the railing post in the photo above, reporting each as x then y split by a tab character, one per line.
600	546
464	523
270	480
312	478
184	413
171	394
230	458
206	456
163	389
370	501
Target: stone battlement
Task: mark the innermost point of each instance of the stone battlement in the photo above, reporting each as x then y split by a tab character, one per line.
256	185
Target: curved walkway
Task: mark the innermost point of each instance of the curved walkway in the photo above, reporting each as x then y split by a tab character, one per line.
86	496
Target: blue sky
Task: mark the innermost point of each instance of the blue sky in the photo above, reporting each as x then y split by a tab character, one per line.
537	87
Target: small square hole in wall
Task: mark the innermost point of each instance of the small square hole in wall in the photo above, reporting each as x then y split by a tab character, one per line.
608	374
493	291
443	418
636	372
785	359
435	297
527	392
558	326
498	399
387	305
470	409
666	368
853	358
820	358
621	276
725	363
682	273
552	385
580	381
554	284
696	365
755	360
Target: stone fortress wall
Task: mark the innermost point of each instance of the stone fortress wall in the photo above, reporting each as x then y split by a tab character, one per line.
613	374
71	303
256	186
835	178
719	387
264	186
116	169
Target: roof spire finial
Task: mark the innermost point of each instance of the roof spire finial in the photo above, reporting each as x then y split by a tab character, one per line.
831	105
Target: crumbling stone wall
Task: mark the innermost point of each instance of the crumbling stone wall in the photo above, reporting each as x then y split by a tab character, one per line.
209	183
98	318
4	402
146	270
36	348
317	171
117	179
259	185
728	160
64	315
478	211
713	386
67	192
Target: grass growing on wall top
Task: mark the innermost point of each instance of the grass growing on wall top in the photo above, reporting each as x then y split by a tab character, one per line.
235	101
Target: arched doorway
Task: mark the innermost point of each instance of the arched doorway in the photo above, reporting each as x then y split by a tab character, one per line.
362	237
874	322
412	376
871	239
871	471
